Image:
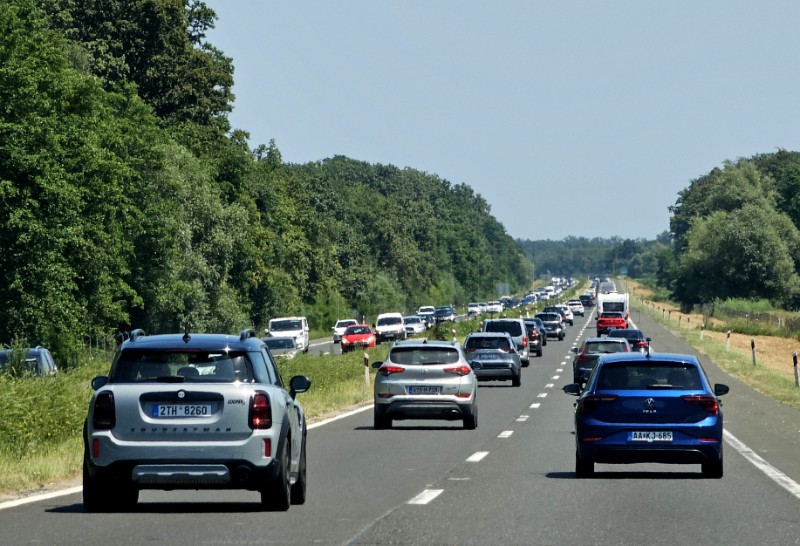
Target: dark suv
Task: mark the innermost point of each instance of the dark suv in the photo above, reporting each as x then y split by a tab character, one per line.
516	329
194	411
636	338
589	353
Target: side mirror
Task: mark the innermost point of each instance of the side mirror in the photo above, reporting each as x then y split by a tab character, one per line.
99	381
574	350
298	384
720	389
573	388
377	364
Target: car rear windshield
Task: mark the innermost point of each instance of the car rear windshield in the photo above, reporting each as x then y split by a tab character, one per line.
649	376
146	366
423	356
475	343
511	326
605	347
549	317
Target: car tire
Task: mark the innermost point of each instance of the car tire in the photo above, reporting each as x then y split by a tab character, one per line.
713	469
277	496
101	497
560	337
381	422
516	381
584	468
300	484
539	352
471	421
525	363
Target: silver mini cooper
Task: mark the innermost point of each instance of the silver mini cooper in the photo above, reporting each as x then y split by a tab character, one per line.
199	411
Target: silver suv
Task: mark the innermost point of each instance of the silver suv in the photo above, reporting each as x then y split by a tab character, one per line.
194	411
516	329
425	380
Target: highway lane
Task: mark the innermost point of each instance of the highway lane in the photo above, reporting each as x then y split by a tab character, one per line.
521	491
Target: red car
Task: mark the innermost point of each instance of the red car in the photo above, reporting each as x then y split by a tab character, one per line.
609	321
358	336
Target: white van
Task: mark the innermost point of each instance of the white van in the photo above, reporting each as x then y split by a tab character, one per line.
291	327
390	326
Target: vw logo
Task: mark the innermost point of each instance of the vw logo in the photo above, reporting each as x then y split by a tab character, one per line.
649	404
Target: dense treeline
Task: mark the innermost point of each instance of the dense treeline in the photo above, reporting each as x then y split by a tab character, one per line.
583	257
736	234
126	200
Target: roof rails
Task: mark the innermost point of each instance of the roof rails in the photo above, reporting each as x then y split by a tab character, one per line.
136	333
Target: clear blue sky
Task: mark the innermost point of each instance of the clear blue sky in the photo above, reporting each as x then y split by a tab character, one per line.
570	118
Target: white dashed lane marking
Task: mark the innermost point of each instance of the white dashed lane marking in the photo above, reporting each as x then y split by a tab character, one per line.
505	434
477	456
426	496
542	395
523	418
535	405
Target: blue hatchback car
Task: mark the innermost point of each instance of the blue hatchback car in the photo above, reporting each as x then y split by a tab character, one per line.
648	408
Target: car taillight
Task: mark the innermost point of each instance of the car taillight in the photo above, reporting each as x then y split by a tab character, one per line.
524	341
641	344
590	403
260	411
459	370
105	415
708	402
389	370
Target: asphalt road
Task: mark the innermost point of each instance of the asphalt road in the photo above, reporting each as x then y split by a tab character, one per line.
511	481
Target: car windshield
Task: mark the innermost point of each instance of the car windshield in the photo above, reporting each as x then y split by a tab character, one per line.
353	330
649	376
423	356
279	343
475	343
285	325
512	327
344	323
176	366
386	321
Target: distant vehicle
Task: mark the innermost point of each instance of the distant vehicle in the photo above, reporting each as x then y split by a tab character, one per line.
576	306
425	380
292	327
390	326
340	327
651	408
613	302
494	307
636	338
426	312
38	361
444	313
194	411
414	325
516	329
281	347
493	357
536	336
358	336
561	311
587	300
609	321
590	352
473	309
553	324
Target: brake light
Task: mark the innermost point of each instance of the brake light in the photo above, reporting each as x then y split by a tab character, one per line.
389	370
590	403
105	415
524	341
708	402
459	370
260	411
641	344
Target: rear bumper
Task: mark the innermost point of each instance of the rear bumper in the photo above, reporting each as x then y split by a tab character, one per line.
673	454
425	409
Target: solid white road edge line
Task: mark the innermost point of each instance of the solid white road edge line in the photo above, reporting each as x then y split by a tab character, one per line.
758	461
44	496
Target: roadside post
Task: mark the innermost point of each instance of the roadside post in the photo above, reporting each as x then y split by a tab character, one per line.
796	377
702	330
366	369
454	333
728	341
753	349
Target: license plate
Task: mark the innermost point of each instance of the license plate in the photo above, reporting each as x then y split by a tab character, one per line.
489	356
182	410
650	436
424	390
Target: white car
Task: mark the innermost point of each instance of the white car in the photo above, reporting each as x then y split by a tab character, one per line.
293	327
194	411
414	325
473	309
390	326
340	327
576	306
494	307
